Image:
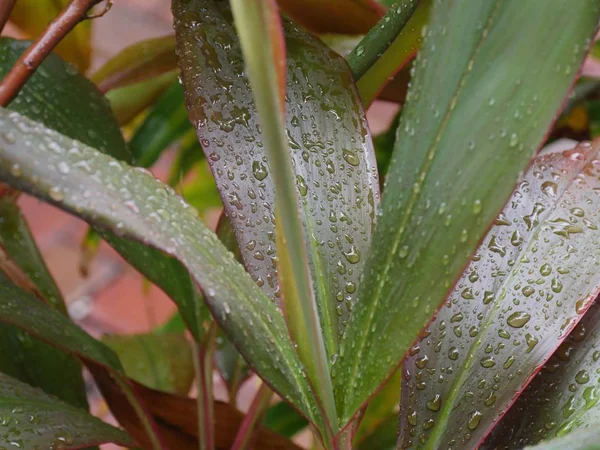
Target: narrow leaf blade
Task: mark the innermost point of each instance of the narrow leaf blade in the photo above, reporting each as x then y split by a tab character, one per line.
32	419
457	156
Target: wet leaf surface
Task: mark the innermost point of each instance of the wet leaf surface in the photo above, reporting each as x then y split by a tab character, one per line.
129	201
30	419
534	275
459	150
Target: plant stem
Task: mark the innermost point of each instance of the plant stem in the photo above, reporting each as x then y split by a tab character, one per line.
29	61
257	409
203	365
380	37
5	8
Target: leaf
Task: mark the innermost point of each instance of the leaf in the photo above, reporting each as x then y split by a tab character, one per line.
337	216
580	440
283	419
62	99
375	75
371	48
32	419
334	16
129	101
166	122
26	358
33	16
457	156
180	423
383	438
563	396
162	362
134	204
263	47
527	286
138	62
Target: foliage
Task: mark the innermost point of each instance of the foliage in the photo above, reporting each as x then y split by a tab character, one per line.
454	306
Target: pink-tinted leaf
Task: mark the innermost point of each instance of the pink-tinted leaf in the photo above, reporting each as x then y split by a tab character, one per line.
534	275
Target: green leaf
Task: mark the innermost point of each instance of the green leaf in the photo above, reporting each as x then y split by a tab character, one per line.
581	440
383	437
336	215
162	362
33	17
134	204
284	419
263	47
528	285
459	150
129	101
371	48
138	62
376	73
334	16
62	99
30	419
26	358
563	396
166	122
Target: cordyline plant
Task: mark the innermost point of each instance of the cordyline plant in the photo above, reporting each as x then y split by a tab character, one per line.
451	311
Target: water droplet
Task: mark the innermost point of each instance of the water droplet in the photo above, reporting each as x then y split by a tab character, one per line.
352	255
518	319
56	194
350	157
474	419
435	403
259	170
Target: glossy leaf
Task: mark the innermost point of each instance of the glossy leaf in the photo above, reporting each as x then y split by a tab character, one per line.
137	206
32	419
137	62
334	16
162	362
26	358
48	97
166	122
580	440
263	46
527	286
563	396
284	419
33	16
456	158
380	71
320	98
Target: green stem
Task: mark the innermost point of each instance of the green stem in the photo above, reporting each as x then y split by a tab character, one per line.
380	37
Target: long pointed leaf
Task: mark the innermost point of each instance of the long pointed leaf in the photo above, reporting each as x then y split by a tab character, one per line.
330	146
31	419
528	285
563	396
114	196
581	440
461	145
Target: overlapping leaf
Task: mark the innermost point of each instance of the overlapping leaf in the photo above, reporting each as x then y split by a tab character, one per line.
132	203
535	274
460	147
562	397
48	97
329	143
334	16
32	419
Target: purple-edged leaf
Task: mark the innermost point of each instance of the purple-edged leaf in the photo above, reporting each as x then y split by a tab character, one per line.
460	147
329	143
562	397
32	419
114	196
534	275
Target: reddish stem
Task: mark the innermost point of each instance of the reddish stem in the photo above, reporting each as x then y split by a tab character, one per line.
253	417
5	8
29	61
